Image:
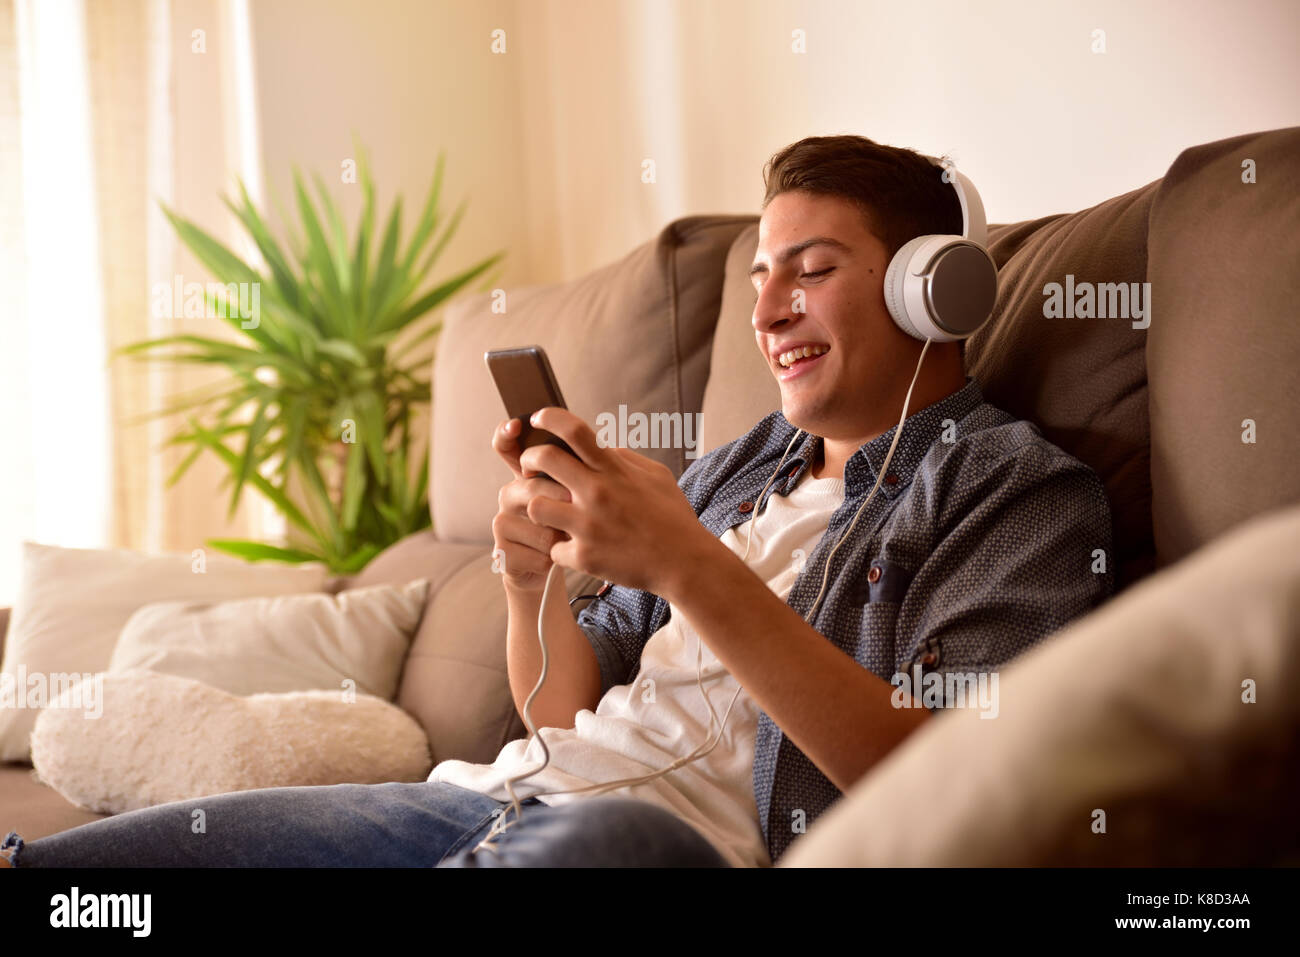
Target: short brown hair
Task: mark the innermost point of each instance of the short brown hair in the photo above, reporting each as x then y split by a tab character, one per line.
899	192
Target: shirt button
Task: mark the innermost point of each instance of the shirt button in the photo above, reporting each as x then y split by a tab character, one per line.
873	576
745	506
891	479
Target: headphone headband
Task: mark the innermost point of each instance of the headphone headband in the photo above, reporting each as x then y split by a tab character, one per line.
973	224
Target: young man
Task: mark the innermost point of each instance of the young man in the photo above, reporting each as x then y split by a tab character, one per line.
979	540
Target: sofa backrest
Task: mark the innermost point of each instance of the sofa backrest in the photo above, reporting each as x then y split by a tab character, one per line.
1223	354
634	333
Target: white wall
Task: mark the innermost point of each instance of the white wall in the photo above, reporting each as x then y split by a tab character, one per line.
548	139
409	78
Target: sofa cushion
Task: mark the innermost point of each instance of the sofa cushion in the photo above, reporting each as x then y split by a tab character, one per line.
634	333
1170	710
419	555
1223	347
163	738
73	602
356	639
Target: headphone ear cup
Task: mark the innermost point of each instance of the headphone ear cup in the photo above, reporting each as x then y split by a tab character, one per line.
895	286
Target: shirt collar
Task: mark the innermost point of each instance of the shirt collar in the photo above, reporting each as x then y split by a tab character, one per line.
920	431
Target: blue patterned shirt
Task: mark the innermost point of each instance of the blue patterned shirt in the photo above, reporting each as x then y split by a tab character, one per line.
983	539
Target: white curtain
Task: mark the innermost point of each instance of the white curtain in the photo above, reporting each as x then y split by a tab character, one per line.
105	110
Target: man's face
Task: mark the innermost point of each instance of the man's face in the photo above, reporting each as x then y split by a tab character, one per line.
837	270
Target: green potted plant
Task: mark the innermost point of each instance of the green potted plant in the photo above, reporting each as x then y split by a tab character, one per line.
316	383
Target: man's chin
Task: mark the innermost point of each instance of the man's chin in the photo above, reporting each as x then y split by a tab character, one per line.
798	416
803	413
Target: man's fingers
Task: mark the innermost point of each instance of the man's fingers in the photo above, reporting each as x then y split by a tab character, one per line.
573	430
507	431
521	530
505	442
516	495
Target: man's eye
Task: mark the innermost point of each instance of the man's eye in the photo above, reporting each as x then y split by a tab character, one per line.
758	287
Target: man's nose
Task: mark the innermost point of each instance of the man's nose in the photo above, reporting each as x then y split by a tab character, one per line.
774	308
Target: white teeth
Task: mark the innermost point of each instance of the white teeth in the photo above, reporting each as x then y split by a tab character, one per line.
788	359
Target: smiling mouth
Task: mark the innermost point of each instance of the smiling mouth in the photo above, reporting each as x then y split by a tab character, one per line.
799	365
789	359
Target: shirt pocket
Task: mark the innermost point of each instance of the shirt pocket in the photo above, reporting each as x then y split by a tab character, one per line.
878	593
884	582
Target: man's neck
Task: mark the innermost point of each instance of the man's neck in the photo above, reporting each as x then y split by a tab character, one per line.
832	456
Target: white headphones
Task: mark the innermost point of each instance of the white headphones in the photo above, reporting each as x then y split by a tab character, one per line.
944	287
938	288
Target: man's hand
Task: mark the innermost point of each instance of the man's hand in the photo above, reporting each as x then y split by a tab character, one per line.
524	545
574	683
626	520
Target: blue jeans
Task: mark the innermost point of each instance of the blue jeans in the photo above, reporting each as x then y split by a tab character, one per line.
373	825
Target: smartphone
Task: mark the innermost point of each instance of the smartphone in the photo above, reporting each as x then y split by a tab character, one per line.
526	383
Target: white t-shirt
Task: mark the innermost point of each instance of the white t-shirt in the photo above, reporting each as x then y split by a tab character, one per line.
644	726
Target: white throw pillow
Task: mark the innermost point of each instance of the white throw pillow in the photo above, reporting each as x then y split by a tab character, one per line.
73	602
287	643
159	738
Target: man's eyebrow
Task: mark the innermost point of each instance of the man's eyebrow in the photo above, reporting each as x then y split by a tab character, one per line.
791	251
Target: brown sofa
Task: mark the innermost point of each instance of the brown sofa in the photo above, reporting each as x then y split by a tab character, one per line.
1157	412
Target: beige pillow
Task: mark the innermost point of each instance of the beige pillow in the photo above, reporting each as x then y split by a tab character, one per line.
160	738
1135	711
286	643
72	602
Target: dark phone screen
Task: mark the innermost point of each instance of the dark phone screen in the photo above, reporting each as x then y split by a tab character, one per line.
526	383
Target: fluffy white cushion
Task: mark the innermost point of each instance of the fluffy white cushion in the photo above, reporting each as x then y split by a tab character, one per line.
161	738
287	643
1137	710
73	602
